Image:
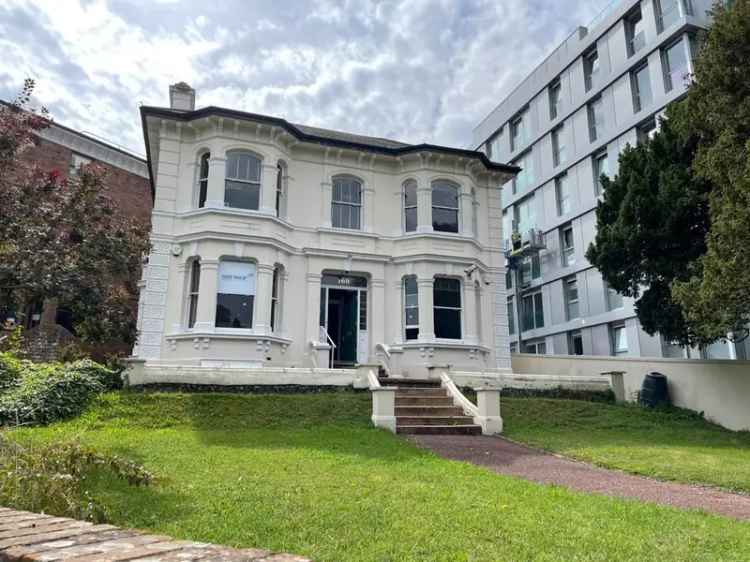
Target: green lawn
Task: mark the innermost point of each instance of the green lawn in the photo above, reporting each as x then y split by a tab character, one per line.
307	474
668	445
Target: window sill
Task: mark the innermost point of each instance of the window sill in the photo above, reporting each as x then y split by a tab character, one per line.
231	211
441	344
228	334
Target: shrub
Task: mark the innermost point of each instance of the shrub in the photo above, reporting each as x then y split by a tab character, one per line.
52	478
10	370
46	392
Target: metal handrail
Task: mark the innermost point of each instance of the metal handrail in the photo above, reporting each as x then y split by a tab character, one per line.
326	338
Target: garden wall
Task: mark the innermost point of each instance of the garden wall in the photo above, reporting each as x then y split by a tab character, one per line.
718	388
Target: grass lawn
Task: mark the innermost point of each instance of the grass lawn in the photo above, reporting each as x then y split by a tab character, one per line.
307	474
668	445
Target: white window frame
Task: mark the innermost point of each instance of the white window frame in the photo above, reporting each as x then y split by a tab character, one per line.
410	183
555	99
351	204
559	155
407	307
457	208
250	183
204	158
591	68
597	159
458	308
596	118
276	293
193	293
639	101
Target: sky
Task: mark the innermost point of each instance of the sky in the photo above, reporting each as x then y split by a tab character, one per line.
411	70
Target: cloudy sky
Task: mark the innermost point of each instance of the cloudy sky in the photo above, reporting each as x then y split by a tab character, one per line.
412	70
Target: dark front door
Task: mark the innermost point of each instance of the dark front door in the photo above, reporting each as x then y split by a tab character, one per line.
342	325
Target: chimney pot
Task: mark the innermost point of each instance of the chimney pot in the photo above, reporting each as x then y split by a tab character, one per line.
181	97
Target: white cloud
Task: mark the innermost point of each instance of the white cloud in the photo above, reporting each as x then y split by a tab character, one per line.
416	70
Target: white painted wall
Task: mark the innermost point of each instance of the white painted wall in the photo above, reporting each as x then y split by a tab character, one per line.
719	388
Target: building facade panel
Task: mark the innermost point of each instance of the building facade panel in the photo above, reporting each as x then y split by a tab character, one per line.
603	88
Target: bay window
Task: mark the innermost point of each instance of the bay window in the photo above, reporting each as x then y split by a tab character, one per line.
411	308
447	308
242	180
236	294
203	179
444	206
195	279
410	206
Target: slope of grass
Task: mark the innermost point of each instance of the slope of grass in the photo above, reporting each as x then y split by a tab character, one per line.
307	474
664	444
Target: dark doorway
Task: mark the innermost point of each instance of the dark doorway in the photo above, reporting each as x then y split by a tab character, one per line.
342	326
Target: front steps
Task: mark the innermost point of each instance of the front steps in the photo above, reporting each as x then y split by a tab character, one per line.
424	408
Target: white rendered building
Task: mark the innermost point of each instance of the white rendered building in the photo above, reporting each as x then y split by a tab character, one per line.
279	245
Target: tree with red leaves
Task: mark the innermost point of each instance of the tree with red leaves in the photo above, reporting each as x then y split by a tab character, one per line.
63	238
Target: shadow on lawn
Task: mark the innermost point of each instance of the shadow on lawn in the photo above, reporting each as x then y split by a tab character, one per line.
335	423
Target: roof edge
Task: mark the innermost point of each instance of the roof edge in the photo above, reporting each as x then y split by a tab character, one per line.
167	113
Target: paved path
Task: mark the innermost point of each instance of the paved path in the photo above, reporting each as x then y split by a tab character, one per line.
32	537
506	457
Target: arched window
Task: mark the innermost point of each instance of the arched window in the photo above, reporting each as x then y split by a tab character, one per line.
281	189
410	206
242	180
278	275
203	179
346	203
444	206
411	308
193	289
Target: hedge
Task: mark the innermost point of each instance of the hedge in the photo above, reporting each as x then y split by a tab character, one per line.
40	393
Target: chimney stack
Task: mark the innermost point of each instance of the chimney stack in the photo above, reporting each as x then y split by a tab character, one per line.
181	97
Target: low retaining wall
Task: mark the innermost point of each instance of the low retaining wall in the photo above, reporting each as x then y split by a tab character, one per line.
31	537
718	388
139	374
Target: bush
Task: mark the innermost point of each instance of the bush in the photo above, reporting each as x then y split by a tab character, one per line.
47	392
52	478
10	370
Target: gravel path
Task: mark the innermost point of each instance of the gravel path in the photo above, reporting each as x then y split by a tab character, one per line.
506	457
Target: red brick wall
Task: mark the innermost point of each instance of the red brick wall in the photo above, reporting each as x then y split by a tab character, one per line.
131	193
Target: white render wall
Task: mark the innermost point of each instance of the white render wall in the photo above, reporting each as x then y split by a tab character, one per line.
305	244
608	36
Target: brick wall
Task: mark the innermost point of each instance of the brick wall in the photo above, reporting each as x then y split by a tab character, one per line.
130	192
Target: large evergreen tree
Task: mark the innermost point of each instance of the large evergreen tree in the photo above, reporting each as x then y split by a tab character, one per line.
652	224
716	299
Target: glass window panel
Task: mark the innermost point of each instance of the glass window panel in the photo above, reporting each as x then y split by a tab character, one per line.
234	311
241	195
444	220
412	316
412	333
538	311
444	194
448	323
511	317
410	194
410	219
447	292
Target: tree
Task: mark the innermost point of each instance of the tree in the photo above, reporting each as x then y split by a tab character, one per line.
63	238
716	297
651	228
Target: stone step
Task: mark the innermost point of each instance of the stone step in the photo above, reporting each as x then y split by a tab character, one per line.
439	429
421	391
409	383
409	411
433	420
423	401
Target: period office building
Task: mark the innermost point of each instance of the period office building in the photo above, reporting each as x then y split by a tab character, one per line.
602	88
282	245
